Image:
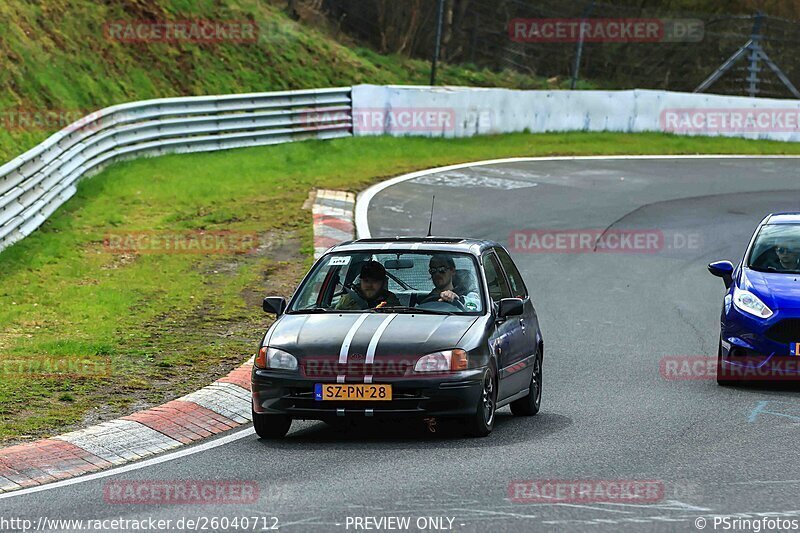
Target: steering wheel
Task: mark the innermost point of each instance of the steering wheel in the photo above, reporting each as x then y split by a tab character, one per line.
764	257
347	288
436	305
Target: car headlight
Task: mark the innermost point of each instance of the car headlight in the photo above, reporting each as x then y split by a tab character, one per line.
275	358
442	361
749	303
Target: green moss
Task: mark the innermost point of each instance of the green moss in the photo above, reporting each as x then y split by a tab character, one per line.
56	56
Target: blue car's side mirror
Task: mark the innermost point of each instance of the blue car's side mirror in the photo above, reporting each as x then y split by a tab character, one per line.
724	270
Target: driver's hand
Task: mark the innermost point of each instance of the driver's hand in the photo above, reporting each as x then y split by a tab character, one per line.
448	296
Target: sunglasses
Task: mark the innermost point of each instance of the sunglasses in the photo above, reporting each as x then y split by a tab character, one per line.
783	250
438	270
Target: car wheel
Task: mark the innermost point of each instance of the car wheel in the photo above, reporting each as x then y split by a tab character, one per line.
529	405
482	422
271	426
721	379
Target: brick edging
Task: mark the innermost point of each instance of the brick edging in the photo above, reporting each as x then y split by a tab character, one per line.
221	406
333	219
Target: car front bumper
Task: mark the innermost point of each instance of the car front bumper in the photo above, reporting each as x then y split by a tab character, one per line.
452	395
755	348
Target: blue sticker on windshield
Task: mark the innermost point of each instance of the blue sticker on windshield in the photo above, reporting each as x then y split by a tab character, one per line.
318	392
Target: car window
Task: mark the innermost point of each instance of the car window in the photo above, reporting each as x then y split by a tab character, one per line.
495	280
335	282
514	277
776	249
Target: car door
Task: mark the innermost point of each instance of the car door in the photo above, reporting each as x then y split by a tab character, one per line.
505	341
529	322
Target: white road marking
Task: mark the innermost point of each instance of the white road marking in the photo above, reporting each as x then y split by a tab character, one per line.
669	504
297	521
591	508
365	197
484	511
766	482
247	432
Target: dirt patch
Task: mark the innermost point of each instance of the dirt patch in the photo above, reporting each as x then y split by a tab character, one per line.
179	352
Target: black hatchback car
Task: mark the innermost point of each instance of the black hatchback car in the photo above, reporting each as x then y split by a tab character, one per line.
425	327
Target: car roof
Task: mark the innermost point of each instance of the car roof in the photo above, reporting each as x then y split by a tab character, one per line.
790	217
442	244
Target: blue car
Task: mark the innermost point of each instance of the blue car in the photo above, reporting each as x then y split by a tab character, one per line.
760	324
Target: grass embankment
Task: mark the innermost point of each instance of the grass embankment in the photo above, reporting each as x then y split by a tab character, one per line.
58	62
171	322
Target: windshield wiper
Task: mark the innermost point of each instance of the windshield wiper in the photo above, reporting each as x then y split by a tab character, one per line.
407	309
311	310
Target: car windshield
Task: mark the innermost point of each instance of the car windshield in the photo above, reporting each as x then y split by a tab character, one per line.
776	249
407	281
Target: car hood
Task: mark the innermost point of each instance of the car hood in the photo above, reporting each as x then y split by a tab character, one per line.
777	291
383	334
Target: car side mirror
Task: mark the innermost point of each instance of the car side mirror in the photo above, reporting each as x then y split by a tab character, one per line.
510	307
724	270
274	304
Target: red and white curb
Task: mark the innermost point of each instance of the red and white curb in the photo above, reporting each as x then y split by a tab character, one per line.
333	219
213	409
219	407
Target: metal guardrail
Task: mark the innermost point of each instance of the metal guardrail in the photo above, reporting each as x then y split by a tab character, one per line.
35	184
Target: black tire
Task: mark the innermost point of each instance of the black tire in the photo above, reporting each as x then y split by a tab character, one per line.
530	404
482	422
271	426
722	381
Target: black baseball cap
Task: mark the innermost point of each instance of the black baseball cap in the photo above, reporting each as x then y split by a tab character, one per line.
373	270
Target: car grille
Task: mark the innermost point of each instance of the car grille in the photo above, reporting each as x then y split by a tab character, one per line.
329	368
785	331
302	399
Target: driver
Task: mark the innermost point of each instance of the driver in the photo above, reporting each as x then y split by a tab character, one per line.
788	256
372	290
442	269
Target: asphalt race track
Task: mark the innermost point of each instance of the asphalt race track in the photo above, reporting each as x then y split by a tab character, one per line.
608	413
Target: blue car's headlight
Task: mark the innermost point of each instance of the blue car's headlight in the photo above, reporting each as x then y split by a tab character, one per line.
749	303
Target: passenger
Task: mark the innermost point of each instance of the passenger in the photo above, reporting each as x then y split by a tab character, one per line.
372	290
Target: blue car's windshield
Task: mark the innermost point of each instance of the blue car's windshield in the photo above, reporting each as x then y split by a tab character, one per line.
363	281
776	249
